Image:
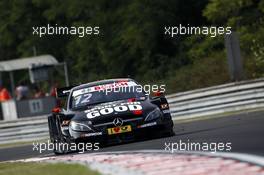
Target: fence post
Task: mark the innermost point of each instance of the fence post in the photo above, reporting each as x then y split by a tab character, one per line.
235	62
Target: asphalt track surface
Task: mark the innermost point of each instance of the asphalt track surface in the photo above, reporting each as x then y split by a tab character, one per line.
244	131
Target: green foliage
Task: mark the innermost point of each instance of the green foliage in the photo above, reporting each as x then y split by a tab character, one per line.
204	72
247	18
44	169
132	41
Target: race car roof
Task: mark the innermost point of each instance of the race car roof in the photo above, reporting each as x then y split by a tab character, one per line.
25	63
102	82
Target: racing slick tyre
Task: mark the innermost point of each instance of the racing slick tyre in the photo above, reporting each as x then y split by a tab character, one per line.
56	137
168	132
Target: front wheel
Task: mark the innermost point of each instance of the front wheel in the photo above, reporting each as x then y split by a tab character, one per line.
60	144
170	132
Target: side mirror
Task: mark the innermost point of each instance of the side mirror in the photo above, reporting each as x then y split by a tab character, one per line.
56	110
158	94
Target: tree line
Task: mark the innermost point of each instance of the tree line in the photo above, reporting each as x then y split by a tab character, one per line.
132	43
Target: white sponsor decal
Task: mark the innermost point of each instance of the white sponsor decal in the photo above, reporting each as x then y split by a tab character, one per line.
93	134
147	125
103	87
166	111
105	110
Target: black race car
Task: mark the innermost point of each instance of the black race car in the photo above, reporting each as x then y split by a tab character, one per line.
108	111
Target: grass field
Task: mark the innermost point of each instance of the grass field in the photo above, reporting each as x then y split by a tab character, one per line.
44	169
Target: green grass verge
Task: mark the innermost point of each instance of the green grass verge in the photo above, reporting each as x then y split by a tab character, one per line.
17	144
44	169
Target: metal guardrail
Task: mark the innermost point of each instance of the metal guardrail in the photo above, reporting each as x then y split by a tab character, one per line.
225	98
230	97
24	130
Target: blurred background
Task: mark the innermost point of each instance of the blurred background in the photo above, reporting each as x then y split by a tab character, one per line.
132	41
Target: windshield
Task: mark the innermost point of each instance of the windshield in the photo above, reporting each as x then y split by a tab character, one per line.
79	100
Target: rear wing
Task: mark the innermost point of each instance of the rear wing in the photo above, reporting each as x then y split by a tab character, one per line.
63	92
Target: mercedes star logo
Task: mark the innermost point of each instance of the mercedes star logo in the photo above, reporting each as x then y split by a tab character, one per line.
118	122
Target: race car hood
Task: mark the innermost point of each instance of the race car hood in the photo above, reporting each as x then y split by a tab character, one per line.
107	112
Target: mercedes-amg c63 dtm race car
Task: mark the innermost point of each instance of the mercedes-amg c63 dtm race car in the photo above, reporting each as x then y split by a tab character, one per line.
108	112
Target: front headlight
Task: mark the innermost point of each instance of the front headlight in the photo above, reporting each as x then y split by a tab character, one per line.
79	126
153	115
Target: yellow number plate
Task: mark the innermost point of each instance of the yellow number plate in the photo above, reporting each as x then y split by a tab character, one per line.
120	129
